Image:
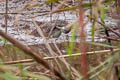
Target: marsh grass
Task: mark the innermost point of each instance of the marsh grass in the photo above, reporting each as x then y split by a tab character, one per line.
98	66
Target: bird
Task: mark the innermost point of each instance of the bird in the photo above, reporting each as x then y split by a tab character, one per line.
60	27
52	29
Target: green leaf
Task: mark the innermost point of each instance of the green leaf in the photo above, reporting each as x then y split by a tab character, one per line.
35	76
87	5
4	40
70	47
69	8
108	1
102	14
93	30
51	1
9	76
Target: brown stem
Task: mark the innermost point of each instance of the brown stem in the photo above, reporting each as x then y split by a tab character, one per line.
84	63
6	16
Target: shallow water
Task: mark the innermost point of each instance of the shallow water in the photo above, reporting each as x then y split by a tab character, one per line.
24	20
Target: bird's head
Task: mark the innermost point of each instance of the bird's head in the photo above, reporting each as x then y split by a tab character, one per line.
62	26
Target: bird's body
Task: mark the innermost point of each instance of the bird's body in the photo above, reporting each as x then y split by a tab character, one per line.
51	29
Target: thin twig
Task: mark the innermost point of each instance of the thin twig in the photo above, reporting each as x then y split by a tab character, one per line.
69	67
6	16
107	27
62	56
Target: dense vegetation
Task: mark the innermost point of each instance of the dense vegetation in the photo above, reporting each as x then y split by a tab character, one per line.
75	58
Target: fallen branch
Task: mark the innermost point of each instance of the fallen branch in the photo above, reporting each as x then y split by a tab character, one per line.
34	55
